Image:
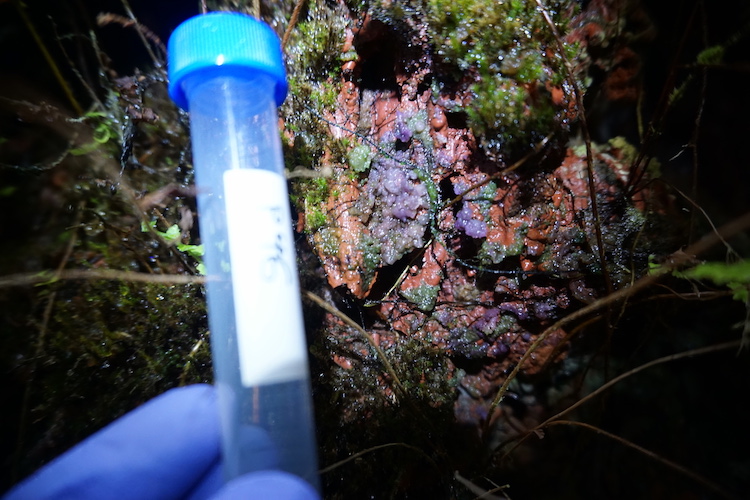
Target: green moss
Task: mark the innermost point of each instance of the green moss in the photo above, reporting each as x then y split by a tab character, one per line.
427	378
317	41
311	196
630	154
711	55
502	46
628	151
315	219
360	412
487	192
418	124
313	62
317	190
324	95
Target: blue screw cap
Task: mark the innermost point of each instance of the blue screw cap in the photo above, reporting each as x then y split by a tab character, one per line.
224	43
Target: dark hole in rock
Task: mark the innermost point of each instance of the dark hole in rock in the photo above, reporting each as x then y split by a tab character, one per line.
379	58
387	275
446	189
457	119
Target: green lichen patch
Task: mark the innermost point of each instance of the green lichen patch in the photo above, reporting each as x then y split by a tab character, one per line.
370	248
423	296
494	252
360	158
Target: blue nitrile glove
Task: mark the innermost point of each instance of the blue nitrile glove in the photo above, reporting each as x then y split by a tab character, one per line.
165	449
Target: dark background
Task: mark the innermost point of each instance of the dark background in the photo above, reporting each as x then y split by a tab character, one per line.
707	419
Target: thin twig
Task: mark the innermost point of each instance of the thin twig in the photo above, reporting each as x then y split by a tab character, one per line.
92	94
107	17
375	448
141	34
697	207
738	225
665	359
346	319
653	129
21	8
400	390
49	277
672	465
539	146
22	420
292	23
40	344
482	493
695	139
587	139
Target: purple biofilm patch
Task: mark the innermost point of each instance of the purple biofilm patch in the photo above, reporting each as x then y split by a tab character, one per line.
401	129
400	215
466	223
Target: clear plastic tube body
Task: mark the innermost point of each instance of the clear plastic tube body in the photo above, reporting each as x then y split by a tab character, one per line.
257	333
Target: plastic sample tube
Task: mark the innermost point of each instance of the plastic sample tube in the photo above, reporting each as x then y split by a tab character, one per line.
227	70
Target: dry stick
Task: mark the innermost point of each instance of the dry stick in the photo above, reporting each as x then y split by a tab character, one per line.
375	448
660	112
696	129
725	231
292	23
139	30
48	277
665	359
587	139
40	342
679	468
21	8
346	319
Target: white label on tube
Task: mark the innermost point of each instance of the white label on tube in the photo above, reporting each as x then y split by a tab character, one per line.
270	331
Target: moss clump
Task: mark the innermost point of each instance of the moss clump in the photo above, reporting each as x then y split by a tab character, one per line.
507	49
310	196
427	373
314	61
361	412
109	346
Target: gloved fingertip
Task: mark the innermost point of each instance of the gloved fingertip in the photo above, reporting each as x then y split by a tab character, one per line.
267	484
